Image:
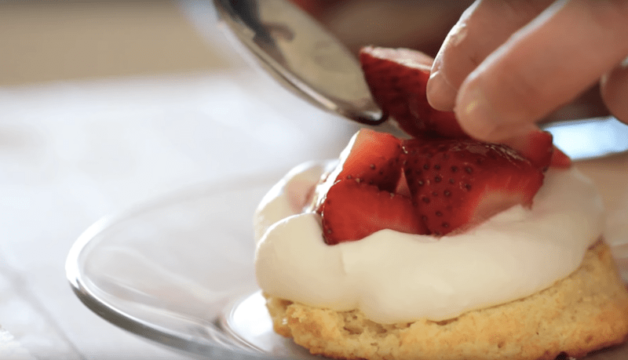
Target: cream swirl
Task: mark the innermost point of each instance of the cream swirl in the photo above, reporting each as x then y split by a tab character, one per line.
395	277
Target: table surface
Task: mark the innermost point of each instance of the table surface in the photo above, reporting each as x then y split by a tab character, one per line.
79	143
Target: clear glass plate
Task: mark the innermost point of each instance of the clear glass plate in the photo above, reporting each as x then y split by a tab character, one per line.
179	271
169	270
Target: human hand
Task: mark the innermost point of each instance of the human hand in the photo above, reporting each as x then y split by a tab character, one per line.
509	63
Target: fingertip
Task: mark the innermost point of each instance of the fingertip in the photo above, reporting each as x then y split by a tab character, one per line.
614	91
480	119
472	113
440	94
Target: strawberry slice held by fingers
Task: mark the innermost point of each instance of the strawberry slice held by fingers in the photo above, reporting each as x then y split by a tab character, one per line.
537	147
371	157
460	183
354	210
397	79
560	160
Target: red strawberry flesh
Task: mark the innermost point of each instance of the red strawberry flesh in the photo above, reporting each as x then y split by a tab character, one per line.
397	79
560	160
371	157
459	183
440	182
536	146
354	210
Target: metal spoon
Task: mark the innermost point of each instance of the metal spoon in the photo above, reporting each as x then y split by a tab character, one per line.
301	55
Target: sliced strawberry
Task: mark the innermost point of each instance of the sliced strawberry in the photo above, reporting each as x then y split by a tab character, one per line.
402	187
459	183
560	160
535	146
354	210
397	79
371	157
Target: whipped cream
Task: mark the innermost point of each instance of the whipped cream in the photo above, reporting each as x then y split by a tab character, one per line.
396	277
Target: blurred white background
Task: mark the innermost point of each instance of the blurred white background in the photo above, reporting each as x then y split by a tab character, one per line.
105	105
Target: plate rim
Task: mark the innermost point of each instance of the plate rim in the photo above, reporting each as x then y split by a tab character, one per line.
139	327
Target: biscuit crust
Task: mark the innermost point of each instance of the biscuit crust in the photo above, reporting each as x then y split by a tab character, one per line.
584	312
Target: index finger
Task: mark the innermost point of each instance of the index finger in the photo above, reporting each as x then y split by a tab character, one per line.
481	29
544	65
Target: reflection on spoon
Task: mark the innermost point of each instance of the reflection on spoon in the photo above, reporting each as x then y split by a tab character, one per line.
302	56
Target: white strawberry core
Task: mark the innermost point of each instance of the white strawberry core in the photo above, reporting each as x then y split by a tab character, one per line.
394	277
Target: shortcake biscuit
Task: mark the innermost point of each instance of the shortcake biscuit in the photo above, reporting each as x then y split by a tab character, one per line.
583	312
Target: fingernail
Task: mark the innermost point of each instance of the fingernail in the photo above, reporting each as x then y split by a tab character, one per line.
457	34
436	65
440	94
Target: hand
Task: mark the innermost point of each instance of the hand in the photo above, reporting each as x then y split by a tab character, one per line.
508	63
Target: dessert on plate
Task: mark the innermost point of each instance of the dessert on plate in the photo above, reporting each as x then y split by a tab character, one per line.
438	246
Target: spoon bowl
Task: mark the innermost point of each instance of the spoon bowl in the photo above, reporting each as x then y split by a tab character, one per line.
298	52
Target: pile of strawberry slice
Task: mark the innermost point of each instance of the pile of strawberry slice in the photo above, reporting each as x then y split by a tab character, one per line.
438	182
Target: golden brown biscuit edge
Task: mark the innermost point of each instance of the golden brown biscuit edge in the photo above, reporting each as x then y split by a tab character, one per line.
584	312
